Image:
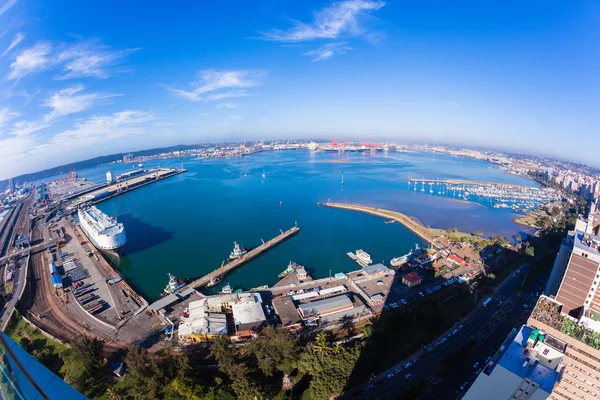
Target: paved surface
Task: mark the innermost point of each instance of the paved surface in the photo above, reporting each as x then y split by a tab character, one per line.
488	326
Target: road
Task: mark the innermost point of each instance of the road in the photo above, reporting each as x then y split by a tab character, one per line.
488	327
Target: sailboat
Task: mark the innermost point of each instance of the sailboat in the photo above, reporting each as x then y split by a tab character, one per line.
422	187
263	174
342	179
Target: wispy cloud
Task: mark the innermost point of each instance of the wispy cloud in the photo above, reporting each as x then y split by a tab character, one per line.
235	117
6	115
328	50
30	60
26	128
329	23
226	105
90	59
16	40
71	100
7	5
214	85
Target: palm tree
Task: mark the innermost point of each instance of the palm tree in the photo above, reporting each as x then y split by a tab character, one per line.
321	343
113	393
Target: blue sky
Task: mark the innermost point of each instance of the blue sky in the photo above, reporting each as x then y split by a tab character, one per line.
82	79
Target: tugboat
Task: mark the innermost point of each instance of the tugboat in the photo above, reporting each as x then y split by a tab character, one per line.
290	268
173	286
227	289
214	282
363	257
237	252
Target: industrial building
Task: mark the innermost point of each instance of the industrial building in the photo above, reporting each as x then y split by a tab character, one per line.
526	367
377	270
204	321
331	308
248	315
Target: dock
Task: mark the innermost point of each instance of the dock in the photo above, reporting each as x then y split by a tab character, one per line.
232	265
116	188
466	183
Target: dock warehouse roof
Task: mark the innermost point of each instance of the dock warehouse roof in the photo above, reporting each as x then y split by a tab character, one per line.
325	306
165	302
249	314
377	269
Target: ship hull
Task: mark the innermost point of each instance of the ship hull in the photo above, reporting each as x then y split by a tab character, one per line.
111	244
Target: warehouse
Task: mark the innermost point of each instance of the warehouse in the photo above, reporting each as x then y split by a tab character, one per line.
331	309
249	316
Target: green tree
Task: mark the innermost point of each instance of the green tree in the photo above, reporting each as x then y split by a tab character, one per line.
274	350
86	371
321	344
367	331
529	250
518	238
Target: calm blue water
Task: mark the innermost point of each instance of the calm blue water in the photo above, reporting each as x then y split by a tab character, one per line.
186	225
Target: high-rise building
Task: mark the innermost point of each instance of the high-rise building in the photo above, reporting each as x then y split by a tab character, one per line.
109	176
525	367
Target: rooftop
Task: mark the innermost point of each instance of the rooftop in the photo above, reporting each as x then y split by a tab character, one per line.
376	269
326	305
519	361
412	277
589	243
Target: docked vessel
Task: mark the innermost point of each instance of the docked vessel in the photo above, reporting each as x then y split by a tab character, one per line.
214	282
237	252
173	286
263	287
363	257
227	289
103	231
292	266
400	261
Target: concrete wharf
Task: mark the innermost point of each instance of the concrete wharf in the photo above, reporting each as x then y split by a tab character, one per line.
230	266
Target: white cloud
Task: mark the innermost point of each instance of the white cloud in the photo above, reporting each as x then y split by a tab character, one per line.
329	23
211	85
105	127
204	114
69	101
235	117
226	105
16	40
26	128
30	60
6	115
89	59
6	6
328	50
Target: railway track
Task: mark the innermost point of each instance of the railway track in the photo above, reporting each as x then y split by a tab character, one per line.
9	228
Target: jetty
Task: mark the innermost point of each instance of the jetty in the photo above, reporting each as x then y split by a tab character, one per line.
238	262
466	182
412	225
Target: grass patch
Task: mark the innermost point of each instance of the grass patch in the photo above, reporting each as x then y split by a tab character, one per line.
8	288
47	351
528	221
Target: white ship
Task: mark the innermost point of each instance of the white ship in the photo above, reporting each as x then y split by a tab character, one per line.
103	231
237	252
173	286
363	257
400	261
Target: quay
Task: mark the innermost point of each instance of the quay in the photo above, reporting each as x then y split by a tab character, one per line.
117	188
466	182
230	266
408	222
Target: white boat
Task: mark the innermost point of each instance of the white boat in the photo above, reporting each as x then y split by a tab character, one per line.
292	266
173	286
227	289
237	252
263	174
214	282
342	179
363	257
400	261
103	231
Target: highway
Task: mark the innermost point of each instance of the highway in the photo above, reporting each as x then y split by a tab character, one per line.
488	327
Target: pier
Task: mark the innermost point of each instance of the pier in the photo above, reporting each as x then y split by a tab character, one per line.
466	182
114	189
230	266
408	222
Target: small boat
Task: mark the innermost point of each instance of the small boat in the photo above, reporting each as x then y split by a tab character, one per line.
238	290
227	289
363	257
173	286
290	268
263	287
342	179
214	282
263	174
389	222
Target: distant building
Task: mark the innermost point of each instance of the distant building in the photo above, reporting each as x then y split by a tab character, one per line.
109	176
525	368
455	260
301	273
412	279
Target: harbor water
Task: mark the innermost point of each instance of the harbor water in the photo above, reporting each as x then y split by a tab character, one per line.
186	225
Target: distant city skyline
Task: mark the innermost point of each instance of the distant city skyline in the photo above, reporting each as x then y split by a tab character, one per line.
80	80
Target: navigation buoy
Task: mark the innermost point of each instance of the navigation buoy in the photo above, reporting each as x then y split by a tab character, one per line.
281	203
